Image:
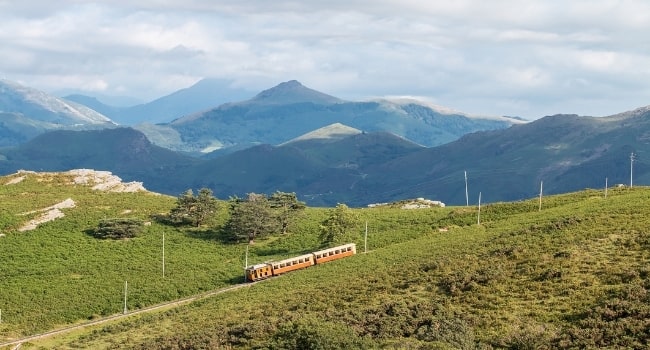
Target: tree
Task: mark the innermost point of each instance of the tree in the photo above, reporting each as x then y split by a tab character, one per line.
119	228
336	228
286	206
194	210
251	218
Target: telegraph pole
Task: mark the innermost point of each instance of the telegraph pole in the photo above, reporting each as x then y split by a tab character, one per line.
365	239
246	263
541	186
466	195
163	255
125	287
632	155
478	219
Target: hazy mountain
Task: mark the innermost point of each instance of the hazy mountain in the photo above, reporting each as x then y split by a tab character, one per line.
206	93
290	109
292	92
15	128
94	104
43	107
26	112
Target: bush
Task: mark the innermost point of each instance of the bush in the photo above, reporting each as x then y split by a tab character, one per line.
118	228
312	333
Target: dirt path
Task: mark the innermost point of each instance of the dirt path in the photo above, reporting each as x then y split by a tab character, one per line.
17	343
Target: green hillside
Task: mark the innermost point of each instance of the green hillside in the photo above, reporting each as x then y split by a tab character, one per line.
574	274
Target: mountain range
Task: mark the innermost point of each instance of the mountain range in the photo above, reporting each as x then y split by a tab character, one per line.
290	109
205	94
294	139
273	116
342	165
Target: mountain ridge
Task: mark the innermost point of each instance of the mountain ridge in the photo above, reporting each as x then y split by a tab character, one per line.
565	152
40	106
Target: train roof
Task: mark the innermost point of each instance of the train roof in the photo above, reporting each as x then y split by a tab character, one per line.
304	256
256	266
337	247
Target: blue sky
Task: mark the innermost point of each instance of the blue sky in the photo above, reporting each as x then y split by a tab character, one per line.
517	58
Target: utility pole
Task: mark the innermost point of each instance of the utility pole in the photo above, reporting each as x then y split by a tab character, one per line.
163	255
631	167
541	186
246	263
466	195
605	187
478	219
365	239
125	287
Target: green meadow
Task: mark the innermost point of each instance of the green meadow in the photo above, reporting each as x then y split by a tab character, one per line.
574	274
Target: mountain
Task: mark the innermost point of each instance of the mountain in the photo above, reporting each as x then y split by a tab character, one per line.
15	128
338	164
292	92
43	107
124	151
290	109
26	112
94	104
329	133
322	170
565	152
206	93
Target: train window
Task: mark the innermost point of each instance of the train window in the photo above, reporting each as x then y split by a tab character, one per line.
337	252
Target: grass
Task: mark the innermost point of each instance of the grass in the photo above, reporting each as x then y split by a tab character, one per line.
572	275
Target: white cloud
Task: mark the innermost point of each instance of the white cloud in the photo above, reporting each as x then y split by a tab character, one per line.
528	58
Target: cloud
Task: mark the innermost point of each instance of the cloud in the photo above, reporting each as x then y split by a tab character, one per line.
503	57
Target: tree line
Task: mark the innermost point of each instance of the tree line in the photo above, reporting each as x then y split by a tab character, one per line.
255	216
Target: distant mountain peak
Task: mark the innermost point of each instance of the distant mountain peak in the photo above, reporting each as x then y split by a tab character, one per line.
293	91
332	132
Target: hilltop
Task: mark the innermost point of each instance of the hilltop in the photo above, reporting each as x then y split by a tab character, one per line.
571	275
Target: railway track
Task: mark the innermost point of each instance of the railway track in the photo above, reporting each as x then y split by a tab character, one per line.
18	342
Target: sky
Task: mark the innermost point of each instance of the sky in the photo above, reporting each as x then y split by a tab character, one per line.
500	57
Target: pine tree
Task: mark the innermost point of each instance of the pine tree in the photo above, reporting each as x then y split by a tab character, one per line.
194	210
251	218
287	208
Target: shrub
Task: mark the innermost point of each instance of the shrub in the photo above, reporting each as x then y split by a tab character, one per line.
119	228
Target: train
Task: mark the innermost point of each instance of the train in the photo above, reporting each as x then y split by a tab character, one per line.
266	270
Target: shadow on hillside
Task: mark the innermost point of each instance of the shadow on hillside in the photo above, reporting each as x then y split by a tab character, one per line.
271	251
217	235
237	280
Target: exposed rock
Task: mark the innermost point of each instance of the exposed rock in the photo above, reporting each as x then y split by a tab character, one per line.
104	181
48	214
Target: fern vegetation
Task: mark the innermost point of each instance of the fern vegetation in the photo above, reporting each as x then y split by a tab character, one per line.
572	275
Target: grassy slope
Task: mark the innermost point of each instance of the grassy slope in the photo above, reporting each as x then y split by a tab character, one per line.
574	274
